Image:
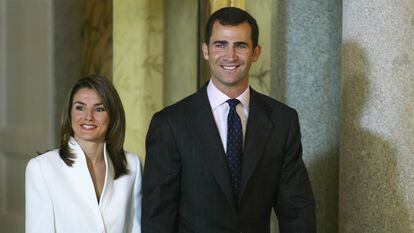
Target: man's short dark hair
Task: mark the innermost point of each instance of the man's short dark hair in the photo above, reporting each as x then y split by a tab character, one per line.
232	16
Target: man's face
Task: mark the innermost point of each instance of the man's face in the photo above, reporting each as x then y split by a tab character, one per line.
230	54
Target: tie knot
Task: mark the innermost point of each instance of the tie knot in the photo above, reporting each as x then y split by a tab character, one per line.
233	103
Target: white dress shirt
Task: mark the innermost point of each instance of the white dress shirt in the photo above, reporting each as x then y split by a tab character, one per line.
62	199
220	109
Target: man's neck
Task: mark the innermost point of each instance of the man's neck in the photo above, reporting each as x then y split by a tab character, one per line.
231	91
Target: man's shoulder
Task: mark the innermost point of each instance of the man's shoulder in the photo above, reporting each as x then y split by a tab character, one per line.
181	107
271	103
185	102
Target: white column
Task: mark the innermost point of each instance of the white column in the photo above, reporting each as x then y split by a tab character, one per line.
27	98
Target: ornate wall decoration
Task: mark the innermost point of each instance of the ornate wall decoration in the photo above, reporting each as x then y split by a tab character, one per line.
97	37
138	65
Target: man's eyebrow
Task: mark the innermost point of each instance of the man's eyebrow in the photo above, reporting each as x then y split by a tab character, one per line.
220	42
241	43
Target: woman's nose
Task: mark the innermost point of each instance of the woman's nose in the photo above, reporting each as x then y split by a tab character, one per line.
88	115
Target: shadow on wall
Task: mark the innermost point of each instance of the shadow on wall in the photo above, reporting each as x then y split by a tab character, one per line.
323	172
325	190
369	200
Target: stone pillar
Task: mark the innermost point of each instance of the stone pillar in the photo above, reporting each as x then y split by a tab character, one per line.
27	106
306	75
377	141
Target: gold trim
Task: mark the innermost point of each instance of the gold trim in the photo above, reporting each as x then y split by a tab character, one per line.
217	4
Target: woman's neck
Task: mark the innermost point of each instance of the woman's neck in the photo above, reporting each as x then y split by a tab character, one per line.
94	151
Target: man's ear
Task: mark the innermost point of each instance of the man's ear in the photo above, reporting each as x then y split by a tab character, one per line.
204	47
256	52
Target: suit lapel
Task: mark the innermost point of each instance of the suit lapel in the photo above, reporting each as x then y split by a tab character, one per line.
207	137
258	128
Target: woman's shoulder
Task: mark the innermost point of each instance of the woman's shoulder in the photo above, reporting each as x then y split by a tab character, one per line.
133	161
48	158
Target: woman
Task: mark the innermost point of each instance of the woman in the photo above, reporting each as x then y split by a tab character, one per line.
89	184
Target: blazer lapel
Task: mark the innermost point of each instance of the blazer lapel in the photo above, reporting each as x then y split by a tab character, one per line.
258	128
109	180
207	137
82	181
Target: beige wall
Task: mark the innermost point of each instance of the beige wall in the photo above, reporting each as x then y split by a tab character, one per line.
97	31
260	71
138	65
217	4
180	41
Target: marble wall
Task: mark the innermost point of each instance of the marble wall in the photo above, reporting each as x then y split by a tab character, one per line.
310	82
377	142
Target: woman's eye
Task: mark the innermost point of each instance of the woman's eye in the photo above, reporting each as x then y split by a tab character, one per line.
80	108
100	109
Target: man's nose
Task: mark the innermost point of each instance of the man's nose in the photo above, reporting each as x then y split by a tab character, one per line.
231	54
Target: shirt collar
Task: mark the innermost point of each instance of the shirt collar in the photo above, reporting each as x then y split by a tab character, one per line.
217	98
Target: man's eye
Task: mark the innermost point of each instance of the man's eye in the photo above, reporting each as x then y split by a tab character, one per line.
100	109
241	46
220	46
80	108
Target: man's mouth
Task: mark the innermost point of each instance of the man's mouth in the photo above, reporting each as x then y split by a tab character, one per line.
229	67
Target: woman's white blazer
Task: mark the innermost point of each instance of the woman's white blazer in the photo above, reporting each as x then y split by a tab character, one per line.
62	199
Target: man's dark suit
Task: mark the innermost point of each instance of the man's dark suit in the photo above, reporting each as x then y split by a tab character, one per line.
187	185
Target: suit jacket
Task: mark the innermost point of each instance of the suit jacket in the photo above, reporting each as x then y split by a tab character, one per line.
187	185
62	199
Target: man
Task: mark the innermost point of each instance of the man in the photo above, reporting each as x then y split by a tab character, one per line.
219	160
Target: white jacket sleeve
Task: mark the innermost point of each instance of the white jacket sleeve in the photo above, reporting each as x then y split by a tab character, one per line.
136	227
39	206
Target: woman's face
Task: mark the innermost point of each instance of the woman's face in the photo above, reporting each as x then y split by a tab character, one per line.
90	119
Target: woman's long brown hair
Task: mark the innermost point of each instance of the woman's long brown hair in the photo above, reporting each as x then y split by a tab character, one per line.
115	135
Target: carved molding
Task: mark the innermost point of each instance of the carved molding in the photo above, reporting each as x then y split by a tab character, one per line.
217	4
